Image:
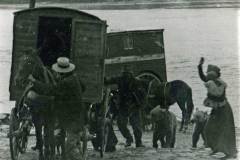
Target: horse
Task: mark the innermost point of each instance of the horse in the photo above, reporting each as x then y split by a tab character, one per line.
166	94
42	112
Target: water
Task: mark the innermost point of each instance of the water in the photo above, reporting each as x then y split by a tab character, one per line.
189	34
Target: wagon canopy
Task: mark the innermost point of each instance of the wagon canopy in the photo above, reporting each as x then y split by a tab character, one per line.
56	32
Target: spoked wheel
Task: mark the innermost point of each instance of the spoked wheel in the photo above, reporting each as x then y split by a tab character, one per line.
14	138
23	142
23	139
19	131
152	81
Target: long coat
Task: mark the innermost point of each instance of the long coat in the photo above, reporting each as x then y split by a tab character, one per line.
220	128
68	99
220	131
131	93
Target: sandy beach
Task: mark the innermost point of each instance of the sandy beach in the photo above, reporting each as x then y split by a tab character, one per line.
182	150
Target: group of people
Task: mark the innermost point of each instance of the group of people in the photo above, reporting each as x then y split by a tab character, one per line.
219	130
71	112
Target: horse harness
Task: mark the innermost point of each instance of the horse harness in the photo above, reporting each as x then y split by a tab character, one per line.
165	93
48	77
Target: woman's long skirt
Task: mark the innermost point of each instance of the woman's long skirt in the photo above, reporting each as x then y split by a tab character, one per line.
220	131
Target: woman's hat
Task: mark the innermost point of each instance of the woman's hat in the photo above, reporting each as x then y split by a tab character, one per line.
63	65
212	75
213	68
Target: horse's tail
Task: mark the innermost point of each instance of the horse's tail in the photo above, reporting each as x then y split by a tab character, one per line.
190	105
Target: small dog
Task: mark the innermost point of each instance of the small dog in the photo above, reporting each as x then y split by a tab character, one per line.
200	119
165	125
58	141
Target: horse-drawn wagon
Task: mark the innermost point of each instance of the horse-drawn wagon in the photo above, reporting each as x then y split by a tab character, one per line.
50	33
143	50
62	32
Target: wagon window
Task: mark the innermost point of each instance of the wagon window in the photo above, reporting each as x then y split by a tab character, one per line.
128	42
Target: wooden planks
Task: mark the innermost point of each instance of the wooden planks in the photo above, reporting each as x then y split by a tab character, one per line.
143	50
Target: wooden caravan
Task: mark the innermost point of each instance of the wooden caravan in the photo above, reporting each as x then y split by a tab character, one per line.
56	32
142	49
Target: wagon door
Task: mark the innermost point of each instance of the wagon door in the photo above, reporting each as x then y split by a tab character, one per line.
88	50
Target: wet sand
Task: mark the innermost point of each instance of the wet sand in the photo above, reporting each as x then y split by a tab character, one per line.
182	150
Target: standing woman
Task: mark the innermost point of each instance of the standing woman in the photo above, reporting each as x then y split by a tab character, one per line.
220	128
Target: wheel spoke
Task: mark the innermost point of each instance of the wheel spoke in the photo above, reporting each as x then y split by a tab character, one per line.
152	81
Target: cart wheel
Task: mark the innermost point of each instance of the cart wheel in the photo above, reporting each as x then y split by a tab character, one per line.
23	142
13	136
152	82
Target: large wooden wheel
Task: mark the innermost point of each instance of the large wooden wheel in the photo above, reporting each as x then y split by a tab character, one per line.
13	138
18	135
151	82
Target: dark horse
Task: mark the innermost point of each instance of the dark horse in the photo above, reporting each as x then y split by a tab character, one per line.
42	111
168	93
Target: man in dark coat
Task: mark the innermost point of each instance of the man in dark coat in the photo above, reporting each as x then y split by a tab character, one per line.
131	97
69	108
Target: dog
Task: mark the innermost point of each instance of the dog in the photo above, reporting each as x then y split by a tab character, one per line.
165	126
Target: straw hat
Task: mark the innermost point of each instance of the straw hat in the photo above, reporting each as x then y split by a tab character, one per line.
63	65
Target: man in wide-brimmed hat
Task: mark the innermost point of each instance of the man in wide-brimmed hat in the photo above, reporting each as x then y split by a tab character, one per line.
69	108
63	65
131	96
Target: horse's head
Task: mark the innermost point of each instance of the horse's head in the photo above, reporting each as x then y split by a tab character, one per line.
27	64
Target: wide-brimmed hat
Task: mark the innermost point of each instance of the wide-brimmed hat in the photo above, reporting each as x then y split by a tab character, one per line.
63	65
